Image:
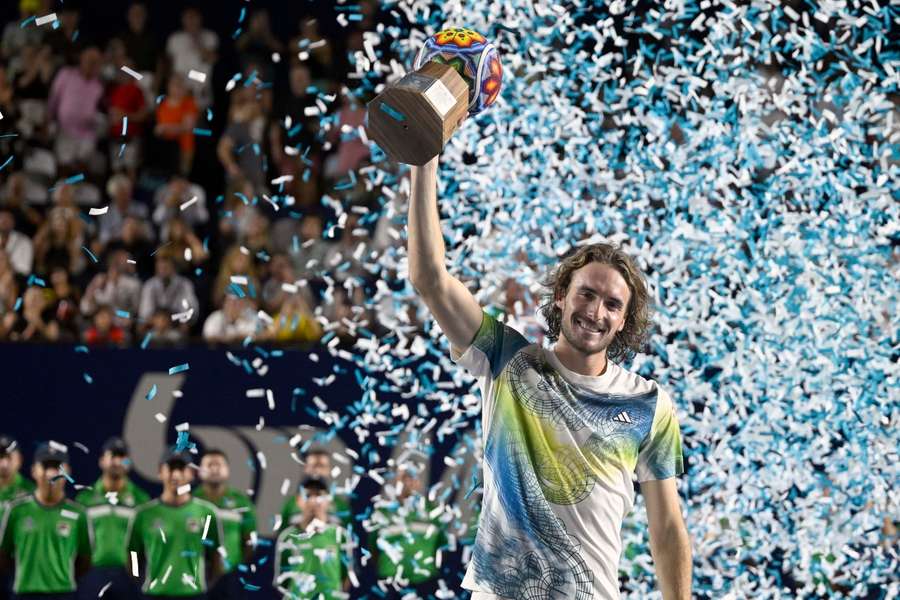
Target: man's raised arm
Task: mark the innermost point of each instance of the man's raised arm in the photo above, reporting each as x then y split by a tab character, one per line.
453	306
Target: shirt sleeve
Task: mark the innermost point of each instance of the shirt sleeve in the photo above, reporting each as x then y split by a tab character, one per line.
493	346
6	531
660	455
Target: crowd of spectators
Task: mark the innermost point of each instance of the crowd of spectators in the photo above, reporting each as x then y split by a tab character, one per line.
143	203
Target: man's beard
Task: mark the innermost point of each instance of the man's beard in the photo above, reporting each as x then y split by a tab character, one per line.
567	330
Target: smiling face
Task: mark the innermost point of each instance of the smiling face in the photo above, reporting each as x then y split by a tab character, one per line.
594	308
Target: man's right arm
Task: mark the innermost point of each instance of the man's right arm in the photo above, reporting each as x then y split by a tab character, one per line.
453	306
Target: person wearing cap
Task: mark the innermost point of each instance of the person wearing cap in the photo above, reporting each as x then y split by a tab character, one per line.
317	463
308	554
110	504
236	514
12	483
45	537
404	537
176	536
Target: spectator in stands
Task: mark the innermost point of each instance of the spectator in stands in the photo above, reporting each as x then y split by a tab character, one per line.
9	293
295	321
15	37
292	137
63	298
66	41
8	105
37	322
127	113
31	84
170	292
258	43
58	244
256	236
169	199
351	150
74	106
232	323
194	49
163	332
140	43
16	245
27	218
281	275
235	263
241	147
133	241
347	258
315	51
116	287
104	331
239	209
120	189
309	256
176	116
185	248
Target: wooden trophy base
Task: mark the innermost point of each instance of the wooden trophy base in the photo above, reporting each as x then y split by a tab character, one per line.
414	118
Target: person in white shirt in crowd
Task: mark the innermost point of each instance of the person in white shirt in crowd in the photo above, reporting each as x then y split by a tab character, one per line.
233	322
194	48
169	291
18	246
118	287
119	188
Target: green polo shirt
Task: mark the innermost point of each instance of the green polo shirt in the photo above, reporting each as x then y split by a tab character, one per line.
404	534
238	518
175	542
308	564
44	541
109	516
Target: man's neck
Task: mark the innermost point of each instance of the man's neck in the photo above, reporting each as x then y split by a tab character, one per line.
113	484
589	365
49	497
174	498
8	480
214	491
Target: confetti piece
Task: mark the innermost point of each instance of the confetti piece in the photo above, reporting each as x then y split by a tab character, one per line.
188	203
90	254
179	368
132	73
99	211
152	393
197	75
45	19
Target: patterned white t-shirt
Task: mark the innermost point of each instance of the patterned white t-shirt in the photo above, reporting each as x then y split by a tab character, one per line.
560	453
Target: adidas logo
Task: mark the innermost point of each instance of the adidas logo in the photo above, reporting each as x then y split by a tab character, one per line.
622	417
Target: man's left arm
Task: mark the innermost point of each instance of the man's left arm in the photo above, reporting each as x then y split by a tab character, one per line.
670	543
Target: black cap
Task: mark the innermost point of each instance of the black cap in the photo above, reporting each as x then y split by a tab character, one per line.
116	445
171	456
51	452
8	444
314	483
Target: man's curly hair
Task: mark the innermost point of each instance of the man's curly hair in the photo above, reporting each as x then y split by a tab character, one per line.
636	332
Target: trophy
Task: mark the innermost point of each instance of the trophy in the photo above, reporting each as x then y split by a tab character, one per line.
456	73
